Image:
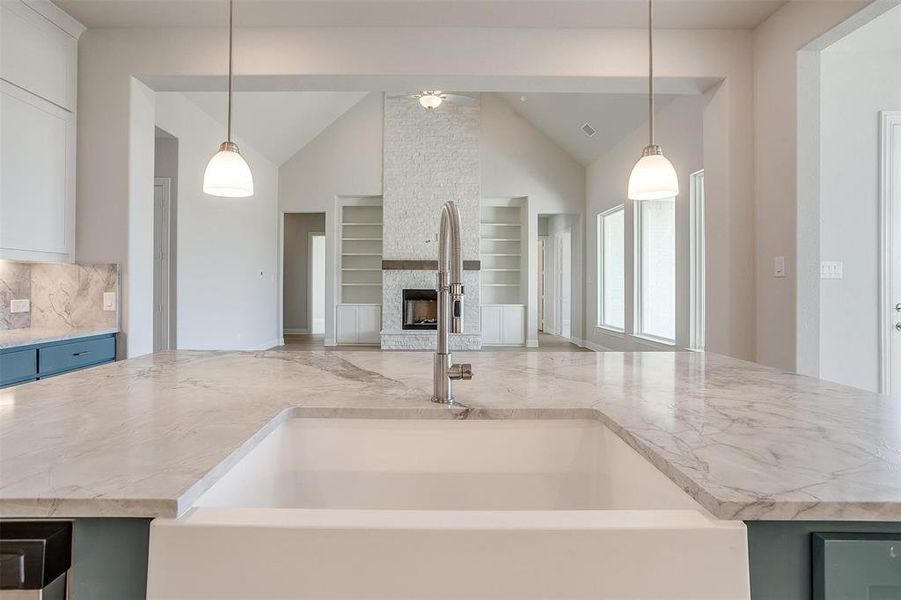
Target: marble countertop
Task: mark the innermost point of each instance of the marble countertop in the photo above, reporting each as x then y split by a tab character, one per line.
15	338
145	437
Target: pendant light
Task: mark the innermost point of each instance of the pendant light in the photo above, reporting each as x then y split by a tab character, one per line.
653	176
227	173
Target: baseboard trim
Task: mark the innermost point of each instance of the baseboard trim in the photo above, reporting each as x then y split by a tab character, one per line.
531	343
268	345
329	342
296	331
595	347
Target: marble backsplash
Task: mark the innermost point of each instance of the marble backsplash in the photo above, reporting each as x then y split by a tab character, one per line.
63	296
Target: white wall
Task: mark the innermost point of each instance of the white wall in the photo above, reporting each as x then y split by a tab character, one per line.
679	130
227	247
296	258
860	76
776	67
344	160
520	161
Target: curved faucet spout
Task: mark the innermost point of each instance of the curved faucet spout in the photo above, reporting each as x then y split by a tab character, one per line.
450	303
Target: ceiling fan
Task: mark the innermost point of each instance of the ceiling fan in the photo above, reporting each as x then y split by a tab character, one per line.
432	99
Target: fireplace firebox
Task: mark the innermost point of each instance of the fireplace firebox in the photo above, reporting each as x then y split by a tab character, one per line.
420	309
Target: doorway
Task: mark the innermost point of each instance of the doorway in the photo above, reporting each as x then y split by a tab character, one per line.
555	277
890	255
304	270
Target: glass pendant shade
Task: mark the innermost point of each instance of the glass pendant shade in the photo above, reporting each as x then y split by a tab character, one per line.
227	174
430	101
653	178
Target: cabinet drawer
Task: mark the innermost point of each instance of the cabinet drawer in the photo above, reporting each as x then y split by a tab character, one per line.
75	354
18	366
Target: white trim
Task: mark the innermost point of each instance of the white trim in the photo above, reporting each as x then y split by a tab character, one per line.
697	262
599	321
653	342
606	330
267	345
296	331
595	347
57	16
529	344
887	245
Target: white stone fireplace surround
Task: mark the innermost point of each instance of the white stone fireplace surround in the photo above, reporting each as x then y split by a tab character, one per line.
430	157
394	337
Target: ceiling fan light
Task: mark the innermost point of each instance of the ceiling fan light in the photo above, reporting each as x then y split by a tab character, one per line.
227	174
430	101
653	177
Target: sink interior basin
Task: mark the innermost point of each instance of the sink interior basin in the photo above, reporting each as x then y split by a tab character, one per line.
445	465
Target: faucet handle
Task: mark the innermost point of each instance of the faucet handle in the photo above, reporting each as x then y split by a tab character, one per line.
460	371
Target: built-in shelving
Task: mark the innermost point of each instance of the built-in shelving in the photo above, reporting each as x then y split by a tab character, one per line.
501	251
361	252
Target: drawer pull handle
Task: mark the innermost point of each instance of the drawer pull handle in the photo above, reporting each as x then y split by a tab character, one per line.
82	353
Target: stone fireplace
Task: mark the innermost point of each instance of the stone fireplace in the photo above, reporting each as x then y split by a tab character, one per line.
430	157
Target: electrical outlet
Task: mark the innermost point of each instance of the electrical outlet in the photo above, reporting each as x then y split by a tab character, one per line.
831	269
779	266
20	306
109	301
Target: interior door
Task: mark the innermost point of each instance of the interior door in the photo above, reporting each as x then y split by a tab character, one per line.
317	283
161	242
564	283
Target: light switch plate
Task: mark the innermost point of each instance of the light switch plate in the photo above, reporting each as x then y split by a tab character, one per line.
20	306
831	269
109	301
779	266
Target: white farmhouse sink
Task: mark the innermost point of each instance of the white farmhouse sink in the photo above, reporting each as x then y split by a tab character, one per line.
418	509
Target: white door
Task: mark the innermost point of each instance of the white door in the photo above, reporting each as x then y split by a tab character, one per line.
161	243
346	324
491	325
369	324
317	283
541	284
564	283
513	331
891	254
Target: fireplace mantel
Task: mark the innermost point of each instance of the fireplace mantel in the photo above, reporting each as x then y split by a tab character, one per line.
425	265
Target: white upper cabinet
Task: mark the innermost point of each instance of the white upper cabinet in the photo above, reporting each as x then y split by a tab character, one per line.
38	71
37	55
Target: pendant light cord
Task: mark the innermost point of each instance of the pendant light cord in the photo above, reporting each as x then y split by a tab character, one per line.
651	70
231	16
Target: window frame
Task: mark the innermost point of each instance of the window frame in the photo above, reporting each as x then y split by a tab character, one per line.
637	259
698	260
600	324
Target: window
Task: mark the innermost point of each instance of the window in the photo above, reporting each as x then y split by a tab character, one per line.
611	269
698	261
655	276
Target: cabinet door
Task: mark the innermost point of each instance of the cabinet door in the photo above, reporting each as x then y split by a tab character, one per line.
346	324
37	55
512	328
491	325
369	324
37	201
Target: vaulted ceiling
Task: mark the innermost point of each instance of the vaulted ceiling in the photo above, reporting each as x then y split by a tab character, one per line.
278	124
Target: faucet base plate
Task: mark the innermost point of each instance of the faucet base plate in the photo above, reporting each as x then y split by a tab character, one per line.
449	401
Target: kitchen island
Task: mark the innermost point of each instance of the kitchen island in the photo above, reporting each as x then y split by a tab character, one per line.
146	437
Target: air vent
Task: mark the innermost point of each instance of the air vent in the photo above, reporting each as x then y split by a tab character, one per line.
588	130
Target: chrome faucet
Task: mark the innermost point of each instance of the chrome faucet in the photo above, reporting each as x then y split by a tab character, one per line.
450	304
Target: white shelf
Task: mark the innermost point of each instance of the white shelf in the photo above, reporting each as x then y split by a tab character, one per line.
360	225
501	251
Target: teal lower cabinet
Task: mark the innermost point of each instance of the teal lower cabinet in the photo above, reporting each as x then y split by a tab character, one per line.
824	560
37	361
